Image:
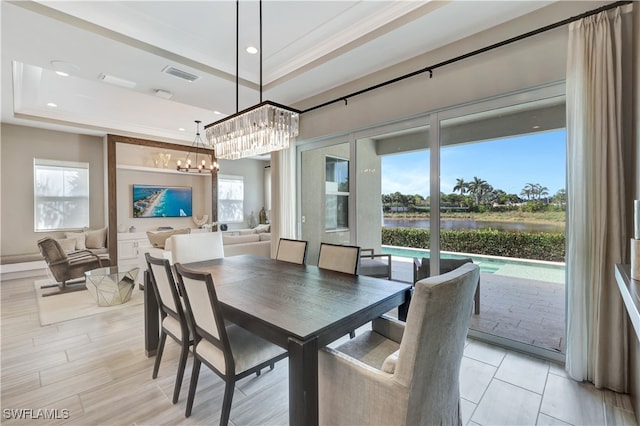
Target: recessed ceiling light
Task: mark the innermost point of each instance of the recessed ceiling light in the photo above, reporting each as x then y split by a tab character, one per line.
252	50
52	105
181	129
62	73
536	127
217	112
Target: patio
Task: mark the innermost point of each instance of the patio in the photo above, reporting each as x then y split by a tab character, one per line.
521	303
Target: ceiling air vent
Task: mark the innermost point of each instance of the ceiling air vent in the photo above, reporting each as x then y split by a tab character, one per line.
180	73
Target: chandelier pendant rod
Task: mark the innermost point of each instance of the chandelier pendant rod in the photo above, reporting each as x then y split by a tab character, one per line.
237	52
260	29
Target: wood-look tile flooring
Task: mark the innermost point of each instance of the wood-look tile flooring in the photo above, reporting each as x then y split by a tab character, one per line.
93	371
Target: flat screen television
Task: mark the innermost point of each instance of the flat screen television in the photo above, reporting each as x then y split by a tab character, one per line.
161	201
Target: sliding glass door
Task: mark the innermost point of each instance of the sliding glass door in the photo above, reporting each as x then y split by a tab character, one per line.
502	205
483	182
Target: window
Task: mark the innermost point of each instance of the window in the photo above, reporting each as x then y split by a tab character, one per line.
230	199
336	194
61	195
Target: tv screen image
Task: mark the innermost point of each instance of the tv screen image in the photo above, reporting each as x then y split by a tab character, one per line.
161	201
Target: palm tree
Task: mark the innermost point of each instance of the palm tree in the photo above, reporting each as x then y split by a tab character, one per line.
478	187
461	186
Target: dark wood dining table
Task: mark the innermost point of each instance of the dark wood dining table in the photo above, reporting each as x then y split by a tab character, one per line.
299	307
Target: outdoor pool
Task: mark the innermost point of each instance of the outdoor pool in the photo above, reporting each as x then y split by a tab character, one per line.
521	268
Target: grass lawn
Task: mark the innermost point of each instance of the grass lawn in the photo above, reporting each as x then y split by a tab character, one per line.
556	218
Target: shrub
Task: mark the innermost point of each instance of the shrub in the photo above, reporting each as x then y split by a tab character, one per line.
521	245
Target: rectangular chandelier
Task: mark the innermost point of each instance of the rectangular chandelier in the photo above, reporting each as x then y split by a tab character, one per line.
261	129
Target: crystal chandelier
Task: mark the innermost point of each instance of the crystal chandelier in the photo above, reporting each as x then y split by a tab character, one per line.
200	151
257	130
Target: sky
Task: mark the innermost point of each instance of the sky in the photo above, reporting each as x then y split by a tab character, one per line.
507	164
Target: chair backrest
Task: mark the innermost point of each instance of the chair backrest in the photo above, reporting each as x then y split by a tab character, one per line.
339	258
187	248
165	287
432	346
422	267
294	251
205	315
51	250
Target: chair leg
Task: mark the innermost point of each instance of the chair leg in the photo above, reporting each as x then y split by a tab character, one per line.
181	366
156	364
226	403
192	386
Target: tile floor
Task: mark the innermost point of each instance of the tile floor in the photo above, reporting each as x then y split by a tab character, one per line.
96	368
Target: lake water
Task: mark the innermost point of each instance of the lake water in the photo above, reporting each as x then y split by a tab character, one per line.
465	224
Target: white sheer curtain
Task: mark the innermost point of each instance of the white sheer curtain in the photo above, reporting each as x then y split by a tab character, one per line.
596	323
283	196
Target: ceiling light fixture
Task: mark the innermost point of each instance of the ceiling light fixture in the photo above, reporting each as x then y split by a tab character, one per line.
199	149
116	80
260	129
252	50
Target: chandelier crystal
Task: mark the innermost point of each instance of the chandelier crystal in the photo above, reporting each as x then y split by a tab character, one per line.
258	130
201	154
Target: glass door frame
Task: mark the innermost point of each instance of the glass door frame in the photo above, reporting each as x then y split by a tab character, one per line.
433	119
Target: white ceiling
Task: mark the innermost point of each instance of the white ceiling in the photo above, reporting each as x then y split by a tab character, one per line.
309	47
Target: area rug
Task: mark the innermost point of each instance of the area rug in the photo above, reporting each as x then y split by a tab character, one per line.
77	304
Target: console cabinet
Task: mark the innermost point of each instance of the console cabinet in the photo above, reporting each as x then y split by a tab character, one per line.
130	245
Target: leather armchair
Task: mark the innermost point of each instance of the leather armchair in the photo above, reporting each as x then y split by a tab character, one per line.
65	267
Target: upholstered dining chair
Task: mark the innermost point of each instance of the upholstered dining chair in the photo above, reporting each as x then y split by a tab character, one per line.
65	267
196	247
341	258
294	251
422	269
173	320
227	349
403	373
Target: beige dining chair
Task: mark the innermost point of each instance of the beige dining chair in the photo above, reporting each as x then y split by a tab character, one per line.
186	248
173	320
293	251
403	373
341	258
227	349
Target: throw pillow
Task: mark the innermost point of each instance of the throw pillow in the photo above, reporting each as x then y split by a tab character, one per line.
79	238
158	239
67	244
262	228
96	239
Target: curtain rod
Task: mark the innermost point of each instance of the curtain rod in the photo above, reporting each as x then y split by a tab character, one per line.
430	69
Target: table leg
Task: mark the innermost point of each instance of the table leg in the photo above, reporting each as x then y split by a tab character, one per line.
404	308
303	382
151	318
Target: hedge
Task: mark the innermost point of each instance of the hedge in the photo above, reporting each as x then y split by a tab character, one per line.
521	245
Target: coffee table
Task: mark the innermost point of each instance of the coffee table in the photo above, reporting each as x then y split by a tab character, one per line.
111	285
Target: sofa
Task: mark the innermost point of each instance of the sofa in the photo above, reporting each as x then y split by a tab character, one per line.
255	241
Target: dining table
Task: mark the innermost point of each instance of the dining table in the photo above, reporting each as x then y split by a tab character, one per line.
301	308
